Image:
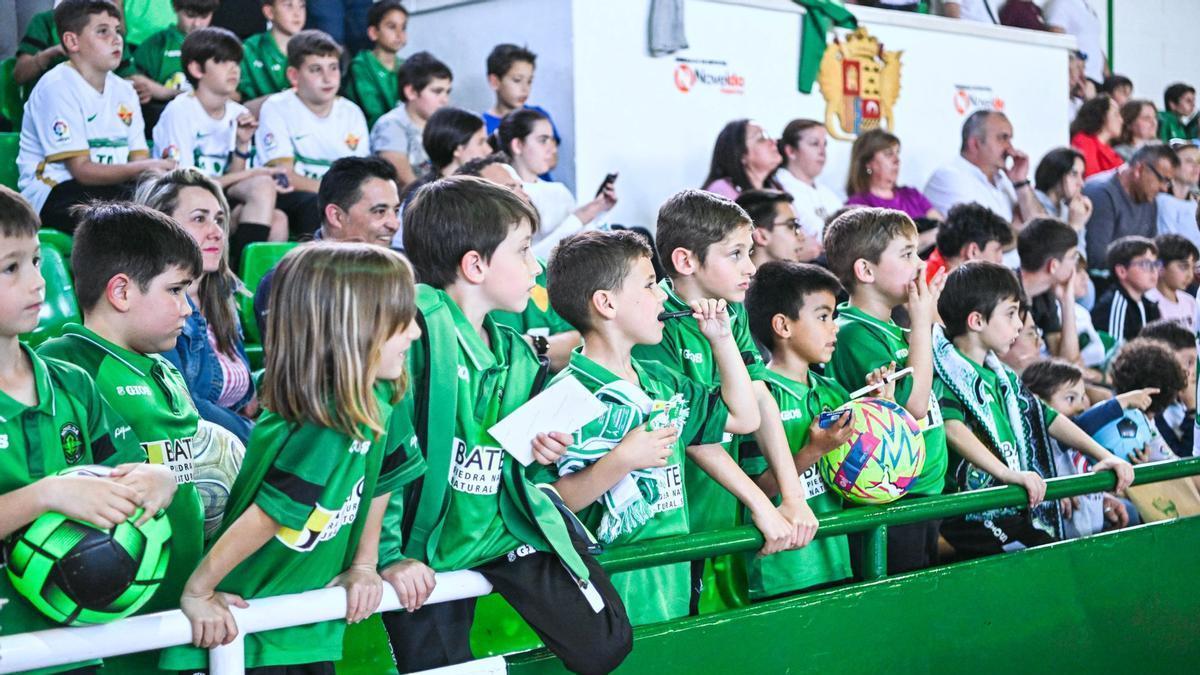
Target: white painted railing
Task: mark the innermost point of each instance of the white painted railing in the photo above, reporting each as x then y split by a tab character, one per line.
168	629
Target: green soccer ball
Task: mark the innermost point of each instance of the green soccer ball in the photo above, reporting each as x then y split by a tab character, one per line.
78	574
884	457
217	457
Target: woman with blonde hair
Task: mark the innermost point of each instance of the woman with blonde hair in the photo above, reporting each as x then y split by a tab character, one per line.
210	353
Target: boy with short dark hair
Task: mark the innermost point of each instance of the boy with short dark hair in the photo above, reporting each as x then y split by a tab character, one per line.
264	66
704	241
1177	257
1049	252
82	137
158	58
372	81
469	242
52	418
1178	118
778	233
132	267
306	128
424	88
510	74
624	471
873	252
40	49
790	308
1123	309
997	430
971	231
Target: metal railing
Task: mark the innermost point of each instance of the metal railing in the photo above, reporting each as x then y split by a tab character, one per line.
167	629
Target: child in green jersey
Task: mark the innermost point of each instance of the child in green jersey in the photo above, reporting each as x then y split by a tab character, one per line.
624	471
469	241
705	242
998	430
158	58
52	418
373	81
264	66
873	252
296	519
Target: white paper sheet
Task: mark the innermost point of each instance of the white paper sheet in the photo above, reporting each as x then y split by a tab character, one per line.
564	406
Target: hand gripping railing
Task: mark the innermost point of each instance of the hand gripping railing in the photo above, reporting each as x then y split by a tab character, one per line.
166	629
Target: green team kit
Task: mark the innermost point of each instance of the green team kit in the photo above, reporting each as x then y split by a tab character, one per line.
264	67
539	318
825	560
865	344
648	504
158	58
69	426
372	85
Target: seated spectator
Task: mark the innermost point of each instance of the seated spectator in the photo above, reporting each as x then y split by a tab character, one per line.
981	173
453	137
424	89
527	136
1177	264
970	232
874	172
265	63
1145	364
372	80
209	352
40	49
1123	309
1023	14
1123	202
778	234
1177	424
1177	212
1119	87
1139	125
982	11
803	149
1080	88
1059	183
1178	119
743	158
510	71
160	70
1049	253
1095	127
1076	17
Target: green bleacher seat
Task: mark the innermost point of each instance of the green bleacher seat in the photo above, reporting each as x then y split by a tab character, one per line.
9	145
12	105
58	240
257	259
60	307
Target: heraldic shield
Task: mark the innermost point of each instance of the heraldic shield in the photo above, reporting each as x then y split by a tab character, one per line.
861	83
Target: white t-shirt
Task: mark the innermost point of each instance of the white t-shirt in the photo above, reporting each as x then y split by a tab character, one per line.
66	117
556	215
1182	310
1079	18
190	136
961	182
813	205
287	129
977	10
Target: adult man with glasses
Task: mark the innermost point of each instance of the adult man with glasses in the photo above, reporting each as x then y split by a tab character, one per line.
1123	201
1123	309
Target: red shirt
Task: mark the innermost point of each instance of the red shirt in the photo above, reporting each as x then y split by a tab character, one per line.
1097	156
934	263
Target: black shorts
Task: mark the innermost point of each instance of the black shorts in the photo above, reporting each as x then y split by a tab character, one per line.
56	212
979	538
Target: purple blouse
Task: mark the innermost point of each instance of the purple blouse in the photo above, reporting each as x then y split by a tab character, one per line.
906	199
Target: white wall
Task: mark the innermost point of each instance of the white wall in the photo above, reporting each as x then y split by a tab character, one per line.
1155	43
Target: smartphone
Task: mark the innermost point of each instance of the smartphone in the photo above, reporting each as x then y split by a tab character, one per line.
831	417
608	180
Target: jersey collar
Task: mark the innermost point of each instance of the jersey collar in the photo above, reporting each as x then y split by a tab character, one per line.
593	375
477	351
10	408
850	313
142	364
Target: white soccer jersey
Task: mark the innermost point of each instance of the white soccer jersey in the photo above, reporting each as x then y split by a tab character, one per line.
65	117
190	136
287	129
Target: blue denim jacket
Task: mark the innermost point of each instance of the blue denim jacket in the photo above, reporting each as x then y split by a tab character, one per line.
196	360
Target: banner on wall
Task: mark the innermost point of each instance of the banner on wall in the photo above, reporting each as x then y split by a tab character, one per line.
860	82
970	97
707	75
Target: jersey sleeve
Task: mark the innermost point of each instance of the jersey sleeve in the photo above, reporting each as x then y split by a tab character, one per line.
389	136
39	34
173	138
707	413
858	352
402	459
751	356
951	405
272	138
58	124
148	56
297	478
359	89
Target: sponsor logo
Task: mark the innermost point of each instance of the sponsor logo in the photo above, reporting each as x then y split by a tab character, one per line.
968	98
695	357
463	373
352	141
520	552
91	117
670	489
360	447
476	470
323	524
175	454
61	130
120	432
3	441
72	442
861	83
789	415
125	114
134	390
691	75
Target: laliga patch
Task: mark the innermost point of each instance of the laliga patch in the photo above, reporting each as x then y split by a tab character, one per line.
61	130
269	141
125	114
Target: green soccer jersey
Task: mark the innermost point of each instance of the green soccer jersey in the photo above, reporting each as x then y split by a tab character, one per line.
372	85
143	18
539	318
824	560
264	67
662	396
41	33
69	426
685	350
158	58
866	343
317	484
148	394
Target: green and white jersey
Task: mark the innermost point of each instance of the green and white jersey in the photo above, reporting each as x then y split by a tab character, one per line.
685	350
41	33
64	118
190	136
69	426
660	397
539	318
264	67
317	484
148	394
287	129
824	560
866	343
372	86
158	59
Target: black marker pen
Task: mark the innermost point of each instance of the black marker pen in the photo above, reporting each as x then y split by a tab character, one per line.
675	315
